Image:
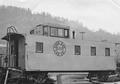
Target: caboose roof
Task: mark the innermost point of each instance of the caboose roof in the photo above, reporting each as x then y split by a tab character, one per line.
12	35
55	25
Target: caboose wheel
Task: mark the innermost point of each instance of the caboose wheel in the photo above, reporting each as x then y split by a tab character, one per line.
36	77
103	76
23	81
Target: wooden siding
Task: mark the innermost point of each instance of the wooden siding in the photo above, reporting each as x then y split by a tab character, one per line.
49	61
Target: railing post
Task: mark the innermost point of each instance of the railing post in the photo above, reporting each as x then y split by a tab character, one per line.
6	77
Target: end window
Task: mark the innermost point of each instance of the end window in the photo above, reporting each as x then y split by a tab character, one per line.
39	30
77	50
39	47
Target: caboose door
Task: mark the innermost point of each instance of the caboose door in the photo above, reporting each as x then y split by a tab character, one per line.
14	53
15	50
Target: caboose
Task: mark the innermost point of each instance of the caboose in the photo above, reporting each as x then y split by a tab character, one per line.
51	48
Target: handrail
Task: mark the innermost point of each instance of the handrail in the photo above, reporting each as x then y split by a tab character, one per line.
11	29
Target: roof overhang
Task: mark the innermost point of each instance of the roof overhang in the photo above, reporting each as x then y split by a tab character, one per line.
12	36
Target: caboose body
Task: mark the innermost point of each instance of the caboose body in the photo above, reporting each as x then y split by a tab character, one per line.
50	58
51	48
48	52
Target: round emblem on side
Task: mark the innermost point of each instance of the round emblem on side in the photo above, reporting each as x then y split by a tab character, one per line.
59	48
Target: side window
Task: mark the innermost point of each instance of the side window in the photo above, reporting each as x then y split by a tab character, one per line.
66	33
107	51
77	50
39	47
60	32
45	30
53	31
93	51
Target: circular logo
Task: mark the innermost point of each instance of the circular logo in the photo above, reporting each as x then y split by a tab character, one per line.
59	48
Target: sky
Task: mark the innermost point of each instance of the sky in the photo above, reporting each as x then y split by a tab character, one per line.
94	14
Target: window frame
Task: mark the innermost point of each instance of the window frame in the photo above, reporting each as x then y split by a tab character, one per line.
57	35
107	53
67	33
46	30
93	47
41	47
76	51
62	33
54	31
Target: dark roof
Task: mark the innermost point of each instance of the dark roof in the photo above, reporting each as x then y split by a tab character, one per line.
12	35
54	25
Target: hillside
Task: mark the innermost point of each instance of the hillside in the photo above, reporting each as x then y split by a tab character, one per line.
24	20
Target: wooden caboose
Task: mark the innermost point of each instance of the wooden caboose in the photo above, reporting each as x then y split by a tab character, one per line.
55	48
